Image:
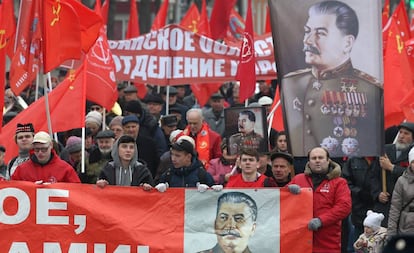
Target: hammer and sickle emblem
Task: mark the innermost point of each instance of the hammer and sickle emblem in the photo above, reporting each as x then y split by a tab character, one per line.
3	40
246	49
56	12
400	43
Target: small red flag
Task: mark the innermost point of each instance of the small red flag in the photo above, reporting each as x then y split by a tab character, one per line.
100	73
133	24
191	19
219	19
159	21
398	78
246	72
67	111
7	27
26	60
385	13
277	120
204	25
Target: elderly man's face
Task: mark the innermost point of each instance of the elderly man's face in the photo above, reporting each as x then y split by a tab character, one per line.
245	124
131	129
195	121
105	145
325	46
234	226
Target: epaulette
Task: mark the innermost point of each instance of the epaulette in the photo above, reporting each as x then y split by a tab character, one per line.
298	72
367	77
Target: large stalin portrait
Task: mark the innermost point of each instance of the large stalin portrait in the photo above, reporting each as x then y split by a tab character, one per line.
332	104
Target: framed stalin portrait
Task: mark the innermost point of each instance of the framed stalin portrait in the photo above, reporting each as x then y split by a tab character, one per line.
245	128
329	58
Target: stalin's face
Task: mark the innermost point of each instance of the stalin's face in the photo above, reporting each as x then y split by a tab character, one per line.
325	46
245	124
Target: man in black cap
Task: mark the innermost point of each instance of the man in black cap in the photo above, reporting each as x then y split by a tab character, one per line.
172	101
130	93
99	156
148	124
389	167
282	168
147	147
214	116
23	138
168	124
154	105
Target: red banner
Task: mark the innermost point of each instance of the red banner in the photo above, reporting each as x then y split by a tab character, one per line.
174	55
84	218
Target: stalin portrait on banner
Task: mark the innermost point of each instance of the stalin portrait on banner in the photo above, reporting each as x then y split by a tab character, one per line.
332	104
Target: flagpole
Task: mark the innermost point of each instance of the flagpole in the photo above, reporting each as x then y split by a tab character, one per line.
46	95
167	101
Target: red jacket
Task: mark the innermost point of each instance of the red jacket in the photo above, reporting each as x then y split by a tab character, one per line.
236	181
56	170
331	204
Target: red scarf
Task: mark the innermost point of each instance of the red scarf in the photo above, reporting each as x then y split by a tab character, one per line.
202	141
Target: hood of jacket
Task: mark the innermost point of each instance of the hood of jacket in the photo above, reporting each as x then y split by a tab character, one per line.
334	170
115	155
184	171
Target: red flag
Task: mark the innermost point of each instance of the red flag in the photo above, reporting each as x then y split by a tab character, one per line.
204	25
67	111
246	72
277	120
191	19
219	19
100	73
204	91
7	30
407	105
61	34
7	27
398	78
385	12
235	30
25	62
105	10
159	21
133	26
268	27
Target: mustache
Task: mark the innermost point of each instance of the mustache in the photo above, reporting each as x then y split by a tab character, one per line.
311	49
229	232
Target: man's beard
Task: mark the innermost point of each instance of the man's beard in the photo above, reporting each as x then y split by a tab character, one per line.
401	146
105	151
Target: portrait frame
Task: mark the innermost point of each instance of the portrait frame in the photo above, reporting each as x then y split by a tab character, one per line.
309	127
199	233
231	116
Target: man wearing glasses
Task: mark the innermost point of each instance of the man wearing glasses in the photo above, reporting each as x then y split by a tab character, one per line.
44	165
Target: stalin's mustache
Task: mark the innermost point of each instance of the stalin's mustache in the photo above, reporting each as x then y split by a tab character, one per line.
311	49
229	232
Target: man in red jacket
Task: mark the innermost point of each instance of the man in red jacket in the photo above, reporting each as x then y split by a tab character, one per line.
331	200
44	165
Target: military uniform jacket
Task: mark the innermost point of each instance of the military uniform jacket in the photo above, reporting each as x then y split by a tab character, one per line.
339	110
252	140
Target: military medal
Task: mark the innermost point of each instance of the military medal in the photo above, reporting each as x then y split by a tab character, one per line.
350	146
324	107
331	144
316	85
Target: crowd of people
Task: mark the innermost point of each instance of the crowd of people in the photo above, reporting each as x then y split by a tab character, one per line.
144	147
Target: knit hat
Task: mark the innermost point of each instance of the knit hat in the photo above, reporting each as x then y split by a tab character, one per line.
94	116
24	128
174	135
130	118
265	100
116	121
411	155
373	220
133	106
73	144
187	138
183	145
